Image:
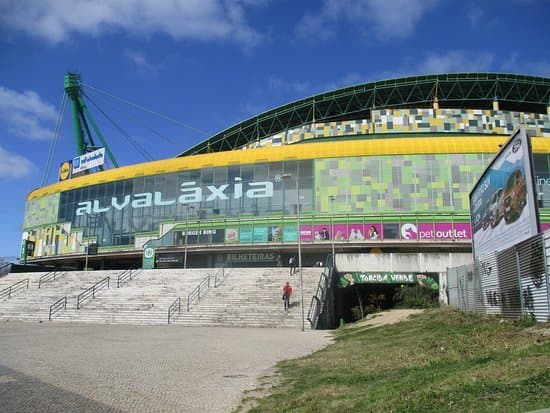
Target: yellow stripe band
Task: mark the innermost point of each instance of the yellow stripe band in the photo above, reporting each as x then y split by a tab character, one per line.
436	144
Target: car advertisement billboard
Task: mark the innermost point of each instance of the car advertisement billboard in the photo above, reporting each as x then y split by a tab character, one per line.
503	210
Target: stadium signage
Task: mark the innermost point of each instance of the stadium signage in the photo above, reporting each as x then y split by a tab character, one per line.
190	194
89	160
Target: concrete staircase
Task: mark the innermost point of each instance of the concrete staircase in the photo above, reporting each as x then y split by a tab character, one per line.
142	300
246	297
33	304
252	297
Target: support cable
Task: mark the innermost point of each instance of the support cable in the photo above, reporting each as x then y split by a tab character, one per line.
135	119
147	110
53	144
128	137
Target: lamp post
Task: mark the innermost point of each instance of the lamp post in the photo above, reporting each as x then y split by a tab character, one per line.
186	234
287	176
331	199
86	264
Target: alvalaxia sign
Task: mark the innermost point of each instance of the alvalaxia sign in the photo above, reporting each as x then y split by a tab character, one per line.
190	193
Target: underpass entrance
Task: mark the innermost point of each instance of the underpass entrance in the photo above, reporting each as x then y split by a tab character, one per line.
361	293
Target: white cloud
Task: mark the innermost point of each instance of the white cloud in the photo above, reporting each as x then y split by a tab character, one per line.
13	165
26	115
387	19
281	85
349	79
512	63
139	60
57	20
449	62
474	16
456	61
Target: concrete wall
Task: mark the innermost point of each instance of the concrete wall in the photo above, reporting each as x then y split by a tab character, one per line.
409	262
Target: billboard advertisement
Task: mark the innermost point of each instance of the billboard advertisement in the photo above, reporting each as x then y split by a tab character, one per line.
503	210
89	160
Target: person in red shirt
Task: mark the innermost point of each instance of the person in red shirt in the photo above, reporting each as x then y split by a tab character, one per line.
287	292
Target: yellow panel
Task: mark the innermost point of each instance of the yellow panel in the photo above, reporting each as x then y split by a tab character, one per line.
434	144
436	122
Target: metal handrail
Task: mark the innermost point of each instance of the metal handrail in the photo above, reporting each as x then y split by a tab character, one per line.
195	295
13	288
3	267
127	275
91	291
318	299
55	307
218	278
51	276
175	306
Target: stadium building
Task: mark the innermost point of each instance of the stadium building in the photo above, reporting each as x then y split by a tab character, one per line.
379	168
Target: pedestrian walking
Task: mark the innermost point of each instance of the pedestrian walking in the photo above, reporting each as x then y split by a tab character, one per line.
287	292
292	263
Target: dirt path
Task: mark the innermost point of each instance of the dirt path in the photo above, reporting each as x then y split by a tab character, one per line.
386	317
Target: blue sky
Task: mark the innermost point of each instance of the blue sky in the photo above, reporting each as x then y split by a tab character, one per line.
209	64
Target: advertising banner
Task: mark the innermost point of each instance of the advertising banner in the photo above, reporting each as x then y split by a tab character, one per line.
231	235
342	232
275	233
290	233
89	160
260	234
246	234
502	203
353	278
201	236
23	253
169	261
148	257
439	230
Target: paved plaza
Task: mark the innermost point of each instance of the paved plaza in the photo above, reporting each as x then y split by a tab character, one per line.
66	367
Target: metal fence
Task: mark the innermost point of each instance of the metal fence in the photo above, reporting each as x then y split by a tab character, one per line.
511	282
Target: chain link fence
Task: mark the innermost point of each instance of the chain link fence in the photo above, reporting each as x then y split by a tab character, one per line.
511	282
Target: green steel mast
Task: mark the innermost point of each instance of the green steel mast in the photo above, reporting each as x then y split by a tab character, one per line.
81	115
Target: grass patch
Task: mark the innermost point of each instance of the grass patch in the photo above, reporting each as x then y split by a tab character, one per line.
440	360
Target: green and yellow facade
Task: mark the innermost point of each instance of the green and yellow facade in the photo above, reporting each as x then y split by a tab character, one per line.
388	178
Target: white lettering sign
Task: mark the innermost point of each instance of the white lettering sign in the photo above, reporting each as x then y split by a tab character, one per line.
190	193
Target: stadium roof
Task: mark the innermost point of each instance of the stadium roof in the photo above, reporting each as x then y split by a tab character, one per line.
453	90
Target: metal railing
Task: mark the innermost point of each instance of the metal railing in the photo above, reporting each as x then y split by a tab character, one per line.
55	307
175	306
195	295
5	269
317	301
90	292
14	288
127	275
51	276
219	276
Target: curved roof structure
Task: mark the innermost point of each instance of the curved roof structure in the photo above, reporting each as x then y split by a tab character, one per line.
454	90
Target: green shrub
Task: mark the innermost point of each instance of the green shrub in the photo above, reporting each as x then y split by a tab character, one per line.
526	320
416	296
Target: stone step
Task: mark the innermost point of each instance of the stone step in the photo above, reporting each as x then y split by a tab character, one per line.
245	297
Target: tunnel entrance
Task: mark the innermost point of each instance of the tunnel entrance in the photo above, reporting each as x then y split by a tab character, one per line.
359	294
366	299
